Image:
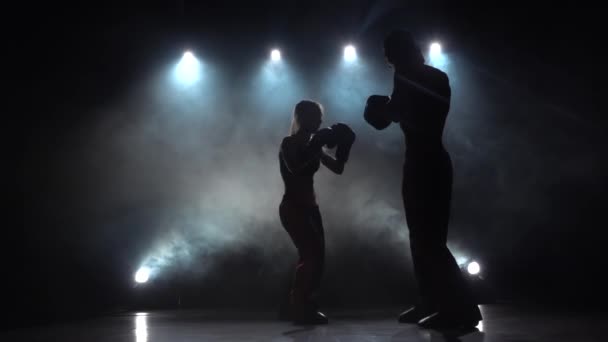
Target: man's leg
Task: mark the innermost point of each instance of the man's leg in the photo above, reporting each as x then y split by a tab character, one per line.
413	202
447	286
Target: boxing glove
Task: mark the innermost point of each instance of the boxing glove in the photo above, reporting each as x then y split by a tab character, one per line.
375	112
345	137
323	137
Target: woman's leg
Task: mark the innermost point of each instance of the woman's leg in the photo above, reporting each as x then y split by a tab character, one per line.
305	228
317	248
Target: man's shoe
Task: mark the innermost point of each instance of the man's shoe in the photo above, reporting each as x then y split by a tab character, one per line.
442	321
413	315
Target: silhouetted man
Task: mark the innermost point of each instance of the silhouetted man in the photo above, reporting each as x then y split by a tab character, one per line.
420	103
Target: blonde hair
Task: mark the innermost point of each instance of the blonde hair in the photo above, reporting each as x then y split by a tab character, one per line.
304	113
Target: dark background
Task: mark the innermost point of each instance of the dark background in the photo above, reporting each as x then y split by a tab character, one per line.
527	138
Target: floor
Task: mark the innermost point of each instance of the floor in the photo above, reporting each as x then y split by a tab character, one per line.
501	323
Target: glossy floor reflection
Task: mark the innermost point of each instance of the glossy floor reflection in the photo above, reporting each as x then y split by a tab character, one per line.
501	324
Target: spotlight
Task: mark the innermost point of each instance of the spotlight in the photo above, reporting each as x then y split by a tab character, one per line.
435	49
473	268
142	275
188	69
275	55
188	57
350	53
437	58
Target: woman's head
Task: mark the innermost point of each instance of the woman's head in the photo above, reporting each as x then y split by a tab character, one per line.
401	50
307	117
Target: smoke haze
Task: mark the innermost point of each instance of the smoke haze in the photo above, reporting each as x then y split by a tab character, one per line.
185	179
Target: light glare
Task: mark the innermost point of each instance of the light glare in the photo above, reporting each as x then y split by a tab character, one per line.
435	49
188	69
473	268
275	55
350	53
142	275
141	328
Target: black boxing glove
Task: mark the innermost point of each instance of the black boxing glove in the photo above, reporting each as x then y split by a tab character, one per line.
345	138
323	137
375	112
344	134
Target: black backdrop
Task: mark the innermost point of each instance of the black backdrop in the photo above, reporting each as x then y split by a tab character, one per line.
540	236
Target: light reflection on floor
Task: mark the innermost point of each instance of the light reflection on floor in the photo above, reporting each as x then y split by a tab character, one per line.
501	324
141	327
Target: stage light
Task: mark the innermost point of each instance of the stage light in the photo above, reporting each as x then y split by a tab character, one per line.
350	53
188	57
142	275
435	49
437	58
473	268
275	55
188	69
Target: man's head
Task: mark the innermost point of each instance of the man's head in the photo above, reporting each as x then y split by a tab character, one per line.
401	50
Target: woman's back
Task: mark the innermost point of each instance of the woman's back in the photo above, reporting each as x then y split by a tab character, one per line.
299	182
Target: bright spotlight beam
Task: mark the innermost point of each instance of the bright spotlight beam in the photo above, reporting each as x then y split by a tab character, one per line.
473	268
142	275
188	69
350	53
188	57
435	49
275	55
436	56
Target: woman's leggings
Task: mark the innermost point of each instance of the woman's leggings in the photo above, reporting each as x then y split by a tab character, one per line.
305	227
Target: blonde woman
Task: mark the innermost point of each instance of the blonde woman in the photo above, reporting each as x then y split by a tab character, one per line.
300	157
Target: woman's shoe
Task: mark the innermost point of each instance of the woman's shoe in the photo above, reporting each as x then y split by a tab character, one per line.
310	317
